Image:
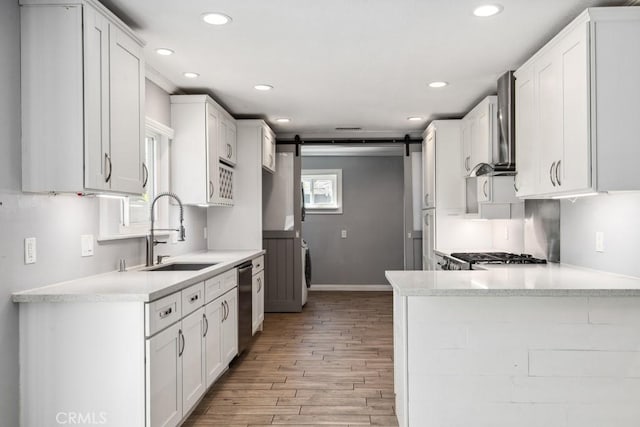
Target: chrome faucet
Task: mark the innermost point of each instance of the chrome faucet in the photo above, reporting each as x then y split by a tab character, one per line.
151	240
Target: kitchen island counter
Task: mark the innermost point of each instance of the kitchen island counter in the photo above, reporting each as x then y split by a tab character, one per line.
514	280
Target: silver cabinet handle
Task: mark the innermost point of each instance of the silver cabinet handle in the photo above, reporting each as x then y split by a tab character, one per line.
165	313
226	304
194	298
259	284
515	183
181	342
557	173
210	189
224	312
551	173
484	189
206	325
145	174
466	163
107	160
426	219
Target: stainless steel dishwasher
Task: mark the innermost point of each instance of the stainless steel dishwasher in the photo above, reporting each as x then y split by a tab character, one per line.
245	309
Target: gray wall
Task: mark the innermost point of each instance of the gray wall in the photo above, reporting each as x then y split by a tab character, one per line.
618	217
56	221
373	212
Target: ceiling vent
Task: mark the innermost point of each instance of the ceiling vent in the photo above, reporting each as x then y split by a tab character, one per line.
348	128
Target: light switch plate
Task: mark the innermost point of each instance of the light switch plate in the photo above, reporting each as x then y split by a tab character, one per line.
599	241
30	250
343	234
86	243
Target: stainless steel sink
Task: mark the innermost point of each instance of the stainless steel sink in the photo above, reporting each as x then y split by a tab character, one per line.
179	266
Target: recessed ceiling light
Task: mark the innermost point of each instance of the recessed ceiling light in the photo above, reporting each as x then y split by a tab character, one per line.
215	18
263	87
191	75
487	10
283	120
415	119
438	84
164	51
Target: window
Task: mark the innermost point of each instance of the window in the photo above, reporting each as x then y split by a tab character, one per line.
129	216
322	190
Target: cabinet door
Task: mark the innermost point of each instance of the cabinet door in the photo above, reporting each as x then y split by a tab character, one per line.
96	99
268	150
257	306
213	174
230	327
466	147
548	80
481	150
126	83
213	340
227	144
573	170
484	189
527	152
429	169
164	378
193	363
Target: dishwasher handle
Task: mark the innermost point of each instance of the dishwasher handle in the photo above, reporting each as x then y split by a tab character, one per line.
242	268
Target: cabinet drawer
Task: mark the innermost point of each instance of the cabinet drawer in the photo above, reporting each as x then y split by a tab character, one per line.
258	264
162	313
192	298
212	288
229	280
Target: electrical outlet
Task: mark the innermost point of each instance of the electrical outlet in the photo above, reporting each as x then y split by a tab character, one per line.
506	232
343	234
205	233
86	243
30	250
599	241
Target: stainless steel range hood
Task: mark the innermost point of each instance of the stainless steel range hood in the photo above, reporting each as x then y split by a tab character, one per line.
503	160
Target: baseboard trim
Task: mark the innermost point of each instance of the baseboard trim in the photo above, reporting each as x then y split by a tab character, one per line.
351	288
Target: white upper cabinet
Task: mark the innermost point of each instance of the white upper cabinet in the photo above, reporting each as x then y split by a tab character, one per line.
198	176
268	149
576	123
82	100
443	182
227	140
479	132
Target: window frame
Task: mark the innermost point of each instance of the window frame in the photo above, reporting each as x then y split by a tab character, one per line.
316	209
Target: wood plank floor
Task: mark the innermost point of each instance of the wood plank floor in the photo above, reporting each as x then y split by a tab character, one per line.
329	365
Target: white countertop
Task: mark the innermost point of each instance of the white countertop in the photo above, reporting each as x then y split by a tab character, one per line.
514	280
136	284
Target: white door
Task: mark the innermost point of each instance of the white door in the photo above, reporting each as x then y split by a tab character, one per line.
573	170
232	140
193	363
164	378
96	99
481	151
126	81
429	170
230	326
466	147
212	154
260	298
527	152
268	150
428	239
213	340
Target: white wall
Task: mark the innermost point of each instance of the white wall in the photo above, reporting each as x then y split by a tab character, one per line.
618	217
56	221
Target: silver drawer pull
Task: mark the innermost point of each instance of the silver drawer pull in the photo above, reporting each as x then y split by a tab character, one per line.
194	298
166	312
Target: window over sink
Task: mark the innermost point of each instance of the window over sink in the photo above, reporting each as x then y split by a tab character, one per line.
322	190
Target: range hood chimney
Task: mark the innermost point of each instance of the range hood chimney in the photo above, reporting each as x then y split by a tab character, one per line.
503	160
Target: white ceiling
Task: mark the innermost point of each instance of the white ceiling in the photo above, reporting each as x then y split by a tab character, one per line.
335	63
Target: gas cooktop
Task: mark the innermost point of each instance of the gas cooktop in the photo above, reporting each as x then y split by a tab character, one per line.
497	258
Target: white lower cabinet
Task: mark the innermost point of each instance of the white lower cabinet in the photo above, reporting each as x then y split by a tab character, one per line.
186	358
257	292
193	359
164	378
229	326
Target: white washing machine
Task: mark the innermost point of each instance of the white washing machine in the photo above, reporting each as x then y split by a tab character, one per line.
305	290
